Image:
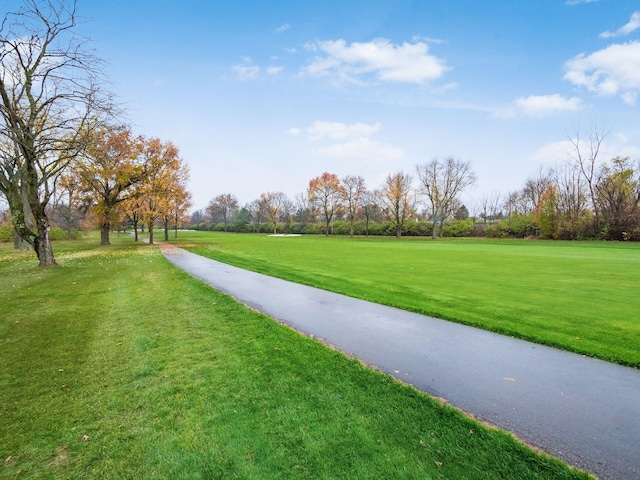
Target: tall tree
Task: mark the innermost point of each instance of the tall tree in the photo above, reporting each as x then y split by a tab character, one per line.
162	164
442	181
397	199
353	190
49	89
222	207
585	157
370	209
324	194
178	204
112	165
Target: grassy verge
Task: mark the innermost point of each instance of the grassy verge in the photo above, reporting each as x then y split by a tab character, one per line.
578	296
117	365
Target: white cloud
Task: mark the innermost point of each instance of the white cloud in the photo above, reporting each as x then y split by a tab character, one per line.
626	29
274	70
246	70
351	141
540	106
614	70
321	130
283	28
578	2
294	131
552	153
406	63
543	105
364	148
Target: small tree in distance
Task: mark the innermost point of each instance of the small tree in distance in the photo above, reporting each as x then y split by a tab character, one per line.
397	199
324	194
442	181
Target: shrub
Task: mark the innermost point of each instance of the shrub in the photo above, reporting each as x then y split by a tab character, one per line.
5	232
459	228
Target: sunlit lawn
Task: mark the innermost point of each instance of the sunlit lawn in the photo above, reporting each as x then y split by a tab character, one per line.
117	365
579	296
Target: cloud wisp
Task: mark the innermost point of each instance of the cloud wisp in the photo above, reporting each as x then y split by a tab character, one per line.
539	106
379	59
631	26
349	141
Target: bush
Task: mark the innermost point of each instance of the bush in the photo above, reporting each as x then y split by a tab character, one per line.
459	228
60	234
5	232
516	226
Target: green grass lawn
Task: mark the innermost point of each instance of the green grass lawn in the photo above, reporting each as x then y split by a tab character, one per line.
579	296
116	365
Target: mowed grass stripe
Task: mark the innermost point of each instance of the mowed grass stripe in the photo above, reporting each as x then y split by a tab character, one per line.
118	365
578	296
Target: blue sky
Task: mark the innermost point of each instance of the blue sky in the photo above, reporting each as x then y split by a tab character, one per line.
265	95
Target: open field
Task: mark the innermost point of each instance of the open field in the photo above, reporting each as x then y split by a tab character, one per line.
579	296
117	365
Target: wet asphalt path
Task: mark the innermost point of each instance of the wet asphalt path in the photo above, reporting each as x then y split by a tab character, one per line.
582	410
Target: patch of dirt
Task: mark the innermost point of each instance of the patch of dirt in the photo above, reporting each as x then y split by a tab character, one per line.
62	458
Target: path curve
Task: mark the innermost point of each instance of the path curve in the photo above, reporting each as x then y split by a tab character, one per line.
583	410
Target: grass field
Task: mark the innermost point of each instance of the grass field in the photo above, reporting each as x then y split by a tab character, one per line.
116	365
579	296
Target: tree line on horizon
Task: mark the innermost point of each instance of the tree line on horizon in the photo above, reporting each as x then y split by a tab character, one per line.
586	198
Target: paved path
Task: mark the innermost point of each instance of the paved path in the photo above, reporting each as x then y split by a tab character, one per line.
582	410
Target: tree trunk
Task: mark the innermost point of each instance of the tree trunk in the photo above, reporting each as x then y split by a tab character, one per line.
19	243
104	234
398	230
166	232
42	244
150	233
434	229
135	230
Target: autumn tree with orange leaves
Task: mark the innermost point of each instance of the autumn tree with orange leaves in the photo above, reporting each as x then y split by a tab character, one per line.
397	199
110	168
325	197
164	166
177	202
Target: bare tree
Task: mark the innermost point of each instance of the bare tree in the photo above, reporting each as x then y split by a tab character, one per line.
489	206
397	199
585	158
353	188
442	182
370	208
572	198
222	206
49	88
288	212
303	210
256	214
535	187
272	205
